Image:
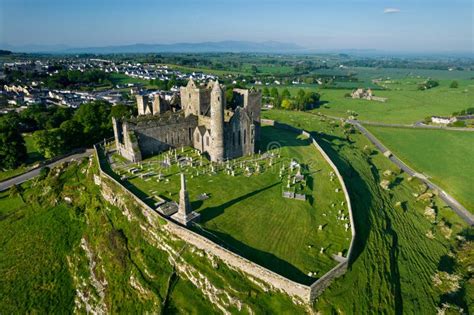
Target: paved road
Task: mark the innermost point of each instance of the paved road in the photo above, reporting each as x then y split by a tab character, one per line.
35	172
453	203
417	125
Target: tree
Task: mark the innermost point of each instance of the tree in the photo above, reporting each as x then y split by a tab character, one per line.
300	99
311	99
96	119
274	92
72	133
120	110
286	104
265	92
12	145
49	143
12	148
285	94
454	85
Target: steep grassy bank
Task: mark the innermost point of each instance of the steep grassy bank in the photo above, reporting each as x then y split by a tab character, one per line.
400	246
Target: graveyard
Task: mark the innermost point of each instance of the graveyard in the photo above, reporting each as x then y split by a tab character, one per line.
281	207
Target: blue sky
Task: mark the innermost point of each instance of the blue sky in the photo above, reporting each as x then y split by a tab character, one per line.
396	25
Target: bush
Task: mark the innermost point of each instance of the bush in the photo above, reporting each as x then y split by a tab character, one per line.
454	85
458	123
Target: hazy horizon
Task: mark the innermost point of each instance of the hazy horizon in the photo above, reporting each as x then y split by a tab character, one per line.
399	26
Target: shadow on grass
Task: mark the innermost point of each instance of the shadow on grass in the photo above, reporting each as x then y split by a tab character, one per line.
265	259
210	213
359	193
284	137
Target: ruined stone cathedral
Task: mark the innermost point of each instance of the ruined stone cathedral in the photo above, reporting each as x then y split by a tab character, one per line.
204	121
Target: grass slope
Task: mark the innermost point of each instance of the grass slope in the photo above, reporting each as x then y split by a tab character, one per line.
394	261
445	156
86	255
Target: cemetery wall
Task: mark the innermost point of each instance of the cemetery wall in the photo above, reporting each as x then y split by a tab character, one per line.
303	292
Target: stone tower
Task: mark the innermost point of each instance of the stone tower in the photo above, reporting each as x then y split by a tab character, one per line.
185	214
216	150
142	104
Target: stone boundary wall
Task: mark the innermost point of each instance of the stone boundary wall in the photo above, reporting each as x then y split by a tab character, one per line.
322	283
303	292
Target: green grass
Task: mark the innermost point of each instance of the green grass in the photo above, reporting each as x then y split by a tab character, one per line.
446	157
44	268
405	104
394	261
206	70
243	213
35	242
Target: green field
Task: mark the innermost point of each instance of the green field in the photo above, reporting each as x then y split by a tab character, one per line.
405	104
366	74
446	157
394	259
244	213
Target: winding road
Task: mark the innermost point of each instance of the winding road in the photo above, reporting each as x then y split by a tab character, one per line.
35	172
450	201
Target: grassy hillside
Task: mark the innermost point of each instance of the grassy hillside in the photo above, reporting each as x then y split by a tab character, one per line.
65	249
398	249
445	156
60	255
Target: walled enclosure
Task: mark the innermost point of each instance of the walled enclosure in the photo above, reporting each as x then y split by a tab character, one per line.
296	290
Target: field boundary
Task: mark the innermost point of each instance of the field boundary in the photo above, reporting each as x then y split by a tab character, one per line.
303	292
457	207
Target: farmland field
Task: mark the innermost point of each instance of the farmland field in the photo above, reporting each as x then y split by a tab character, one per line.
445	156
405	105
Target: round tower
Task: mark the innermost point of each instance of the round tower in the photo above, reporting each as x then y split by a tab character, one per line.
216	150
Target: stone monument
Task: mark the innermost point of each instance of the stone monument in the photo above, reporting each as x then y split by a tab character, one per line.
185	214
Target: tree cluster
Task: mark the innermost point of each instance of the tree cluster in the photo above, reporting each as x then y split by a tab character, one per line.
166	85
90	124
12	145
56	130
303	100
65	79
429	84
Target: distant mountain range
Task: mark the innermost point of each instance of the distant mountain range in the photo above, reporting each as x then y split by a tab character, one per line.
222	46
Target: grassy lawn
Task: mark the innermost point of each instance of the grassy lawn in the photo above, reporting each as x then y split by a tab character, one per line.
395	256
249	215
445	156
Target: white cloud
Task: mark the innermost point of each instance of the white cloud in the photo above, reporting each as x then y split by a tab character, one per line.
391	10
